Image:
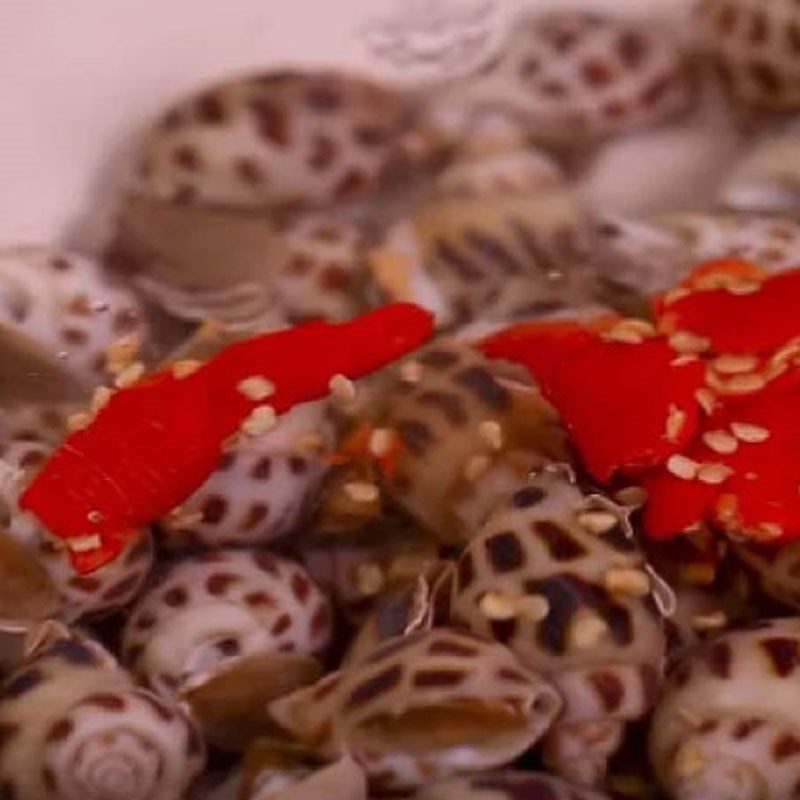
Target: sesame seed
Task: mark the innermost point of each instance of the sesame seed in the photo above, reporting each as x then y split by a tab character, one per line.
491	433
587	630
475	467
381	441
411	372
751	434
256	387
598	521
676	419
686	342
714	474
734	364
710	622
745	384
627	581
533	607
495	605
720	441
260	420
706	399
342	388
78	421
370	579
130	375
83	544
185	367
362	491
682	361
682	467
100	398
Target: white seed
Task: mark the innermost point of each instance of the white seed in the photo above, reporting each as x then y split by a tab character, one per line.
744	384
130	375
743	287
676	419
686	342
84	544
714	474
706	399
411	372
690	760
627	581
185	367
682	467
533	607
78	421
682	361
587	630
370	579
710	622
381	442
260	420
256	387
342	388
100	398
362	491
734	364
491	433
720	441
751	434
598	521
475	467
498	606
622	333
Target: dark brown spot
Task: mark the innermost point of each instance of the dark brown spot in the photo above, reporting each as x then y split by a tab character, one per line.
228	647
726	18
439	678
257	513
8	790
7	732
351	183
21	683
783	654
176	597
747	726
615	109
301	587
597	73
785	746
271	121
718	657
209	109
656	91
559	542
793	37
60	264
416	436
457	262
49	779
263	469
440	359
73	652
610	689
325	688
145	621
219	582
298	465
552	88
139	551
632	49
194	742
122	587
248	170
266	562
184	194
214	509
260	598
371	135
170	120
186	157
481	383
335	278
493	250
323	152
84	583
759	28
324	98
529	68
74	336
708	726
466	571
125	320
765	77
80	306
525	498
449	404
106	701
374	687
511	786
281	625
505	552
504	630
60	730
651	683
449	647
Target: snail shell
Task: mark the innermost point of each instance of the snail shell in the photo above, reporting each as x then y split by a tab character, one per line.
468	435
68	307
506	786
571	79
262	486
427	705
273	140
556	576
776	570
74	726
219	606
724	727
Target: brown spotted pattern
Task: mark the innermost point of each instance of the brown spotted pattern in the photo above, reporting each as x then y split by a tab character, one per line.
221	605
427	705
75	725
538	554
274	140
727	711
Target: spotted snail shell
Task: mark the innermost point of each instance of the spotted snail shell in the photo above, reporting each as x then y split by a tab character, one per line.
724	727
74	725
262	487
67	306
108	588
427	705
467	436
756	47
276	139
557	577
506	786
503	236
572	79
219	606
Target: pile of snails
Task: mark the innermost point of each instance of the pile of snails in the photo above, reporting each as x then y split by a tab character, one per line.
414	590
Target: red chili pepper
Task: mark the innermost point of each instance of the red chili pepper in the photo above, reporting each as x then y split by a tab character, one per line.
156	442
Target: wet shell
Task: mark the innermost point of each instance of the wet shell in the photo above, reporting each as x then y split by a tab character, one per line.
67	306
571	79
556	576
468	435
276	139
507	786
424	706
220	606
75	726
776	571
263	486
757	50
725	726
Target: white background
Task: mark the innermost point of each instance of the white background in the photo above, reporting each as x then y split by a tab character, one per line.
80	78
